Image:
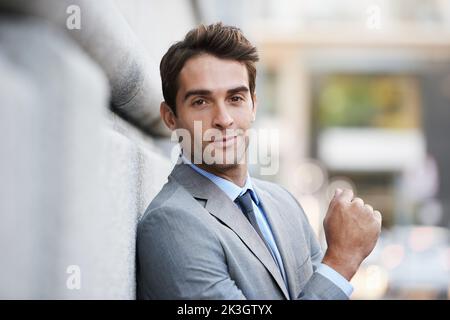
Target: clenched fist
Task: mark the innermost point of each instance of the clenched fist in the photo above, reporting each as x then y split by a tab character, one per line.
351	230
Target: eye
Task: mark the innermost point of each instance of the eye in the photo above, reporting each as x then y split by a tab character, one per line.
199	102
236	99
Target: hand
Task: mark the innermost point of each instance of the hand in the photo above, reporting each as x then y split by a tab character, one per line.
351	230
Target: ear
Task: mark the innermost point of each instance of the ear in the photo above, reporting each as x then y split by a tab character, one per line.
255	107
167	116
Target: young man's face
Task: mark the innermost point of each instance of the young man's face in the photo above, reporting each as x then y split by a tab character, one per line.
214	93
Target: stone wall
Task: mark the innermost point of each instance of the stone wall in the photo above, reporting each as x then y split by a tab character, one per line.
75	177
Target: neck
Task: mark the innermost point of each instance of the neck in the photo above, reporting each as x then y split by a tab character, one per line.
234	173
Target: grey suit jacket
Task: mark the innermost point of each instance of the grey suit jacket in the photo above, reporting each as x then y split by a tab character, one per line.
193	242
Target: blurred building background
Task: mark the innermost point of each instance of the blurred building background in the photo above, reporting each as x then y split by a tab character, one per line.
359	92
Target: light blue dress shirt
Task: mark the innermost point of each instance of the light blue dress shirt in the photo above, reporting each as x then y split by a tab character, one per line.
233	191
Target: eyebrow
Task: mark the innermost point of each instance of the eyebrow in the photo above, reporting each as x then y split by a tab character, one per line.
203	92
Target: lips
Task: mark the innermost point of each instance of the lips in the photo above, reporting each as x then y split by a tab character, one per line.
228	138
225	141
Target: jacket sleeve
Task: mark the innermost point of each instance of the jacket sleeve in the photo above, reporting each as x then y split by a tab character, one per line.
318	286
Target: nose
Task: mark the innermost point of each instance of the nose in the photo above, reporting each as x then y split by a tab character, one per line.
222	118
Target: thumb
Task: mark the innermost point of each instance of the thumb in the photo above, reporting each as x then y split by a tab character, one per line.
337	192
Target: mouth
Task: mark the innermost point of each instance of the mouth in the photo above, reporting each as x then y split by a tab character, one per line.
224	142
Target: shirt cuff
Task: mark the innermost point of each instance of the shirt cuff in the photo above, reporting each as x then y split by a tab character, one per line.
336	278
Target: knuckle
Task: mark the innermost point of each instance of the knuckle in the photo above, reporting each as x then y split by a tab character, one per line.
378	216
358	202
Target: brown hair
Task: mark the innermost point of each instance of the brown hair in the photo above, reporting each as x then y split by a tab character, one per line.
225	42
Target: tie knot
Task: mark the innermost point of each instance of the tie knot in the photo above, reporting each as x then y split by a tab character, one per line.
245	202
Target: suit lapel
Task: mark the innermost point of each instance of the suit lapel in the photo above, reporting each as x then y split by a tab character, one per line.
282	231
220	206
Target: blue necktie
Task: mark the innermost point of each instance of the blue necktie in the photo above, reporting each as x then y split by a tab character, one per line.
246	204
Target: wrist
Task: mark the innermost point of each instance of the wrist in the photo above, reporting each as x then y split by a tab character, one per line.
345	266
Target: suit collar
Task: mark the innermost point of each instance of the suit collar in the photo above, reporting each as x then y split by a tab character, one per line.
231	189
220	206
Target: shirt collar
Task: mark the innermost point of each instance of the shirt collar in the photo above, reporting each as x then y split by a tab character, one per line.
231	190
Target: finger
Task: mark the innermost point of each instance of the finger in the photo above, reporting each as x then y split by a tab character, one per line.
377	216
346	195
358	202
368	208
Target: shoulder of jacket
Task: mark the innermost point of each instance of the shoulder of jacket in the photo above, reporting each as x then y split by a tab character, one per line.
271	187
171	198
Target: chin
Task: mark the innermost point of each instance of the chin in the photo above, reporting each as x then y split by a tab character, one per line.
225	158
221	159
224	167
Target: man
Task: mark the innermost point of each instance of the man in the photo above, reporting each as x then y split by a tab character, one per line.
213	232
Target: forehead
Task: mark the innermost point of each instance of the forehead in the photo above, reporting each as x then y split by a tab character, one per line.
208	72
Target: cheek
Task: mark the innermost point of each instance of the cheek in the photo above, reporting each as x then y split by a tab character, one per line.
196	127
243	117
186	120
203	116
